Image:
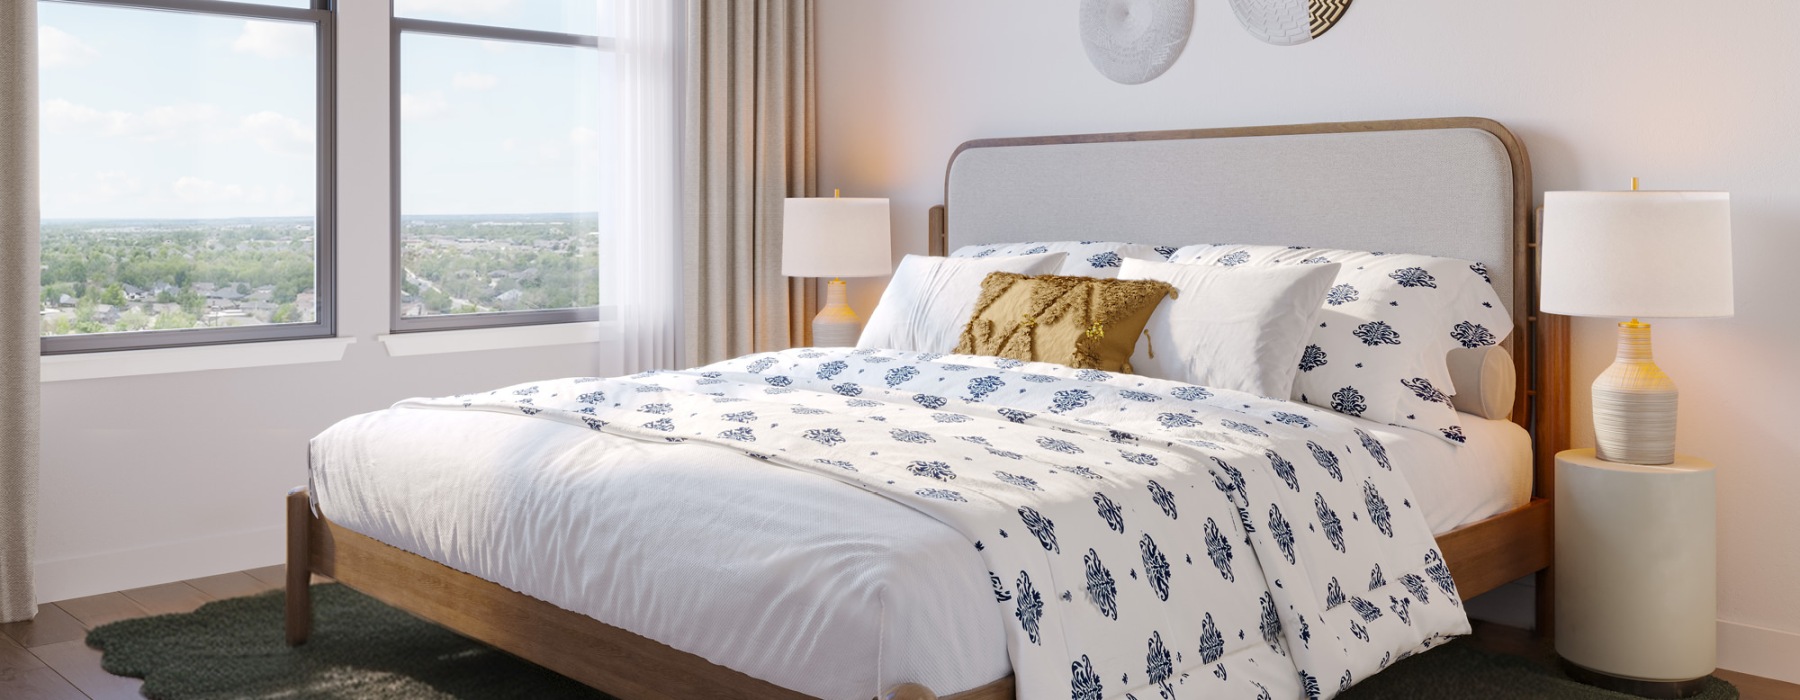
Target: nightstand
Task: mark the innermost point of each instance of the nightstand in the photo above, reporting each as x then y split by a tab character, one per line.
1636	573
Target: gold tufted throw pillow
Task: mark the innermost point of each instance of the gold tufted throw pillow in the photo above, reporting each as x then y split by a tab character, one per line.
1082	322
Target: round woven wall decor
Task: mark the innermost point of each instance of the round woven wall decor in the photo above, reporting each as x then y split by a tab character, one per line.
1133	41
1289	22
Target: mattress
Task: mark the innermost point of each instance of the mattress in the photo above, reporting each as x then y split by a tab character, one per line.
797	579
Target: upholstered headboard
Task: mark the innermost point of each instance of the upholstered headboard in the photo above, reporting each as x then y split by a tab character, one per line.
1451	187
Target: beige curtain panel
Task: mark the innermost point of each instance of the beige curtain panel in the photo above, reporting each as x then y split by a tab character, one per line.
749	143
18	307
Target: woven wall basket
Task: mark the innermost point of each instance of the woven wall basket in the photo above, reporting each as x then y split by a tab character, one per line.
1289	22
1133	41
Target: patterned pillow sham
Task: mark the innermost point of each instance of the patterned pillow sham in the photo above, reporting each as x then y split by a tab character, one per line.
1075	321
1379	346
1086	258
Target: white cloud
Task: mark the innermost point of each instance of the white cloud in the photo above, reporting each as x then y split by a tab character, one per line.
116	183
279	133
475	81
58	49
423	106
459	8
274	39
157	124
196	190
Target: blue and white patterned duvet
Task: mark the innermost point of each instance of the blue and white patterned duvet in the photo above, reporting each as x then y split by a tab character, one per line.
1144	537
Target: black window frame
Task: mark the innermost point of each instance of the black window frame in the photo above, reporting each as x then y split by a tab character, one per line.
398	322
323	15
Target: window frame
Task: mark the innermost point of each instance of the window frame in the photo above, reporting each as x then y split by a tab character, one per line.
323	15
398	323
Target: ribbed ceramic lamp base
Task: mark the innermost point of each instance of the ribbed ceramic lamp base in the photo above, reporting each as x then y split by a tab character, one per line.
837	325
1634	404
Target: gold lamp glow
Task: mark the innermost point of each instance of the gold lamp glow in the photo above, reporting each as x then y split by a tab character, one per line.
1630	255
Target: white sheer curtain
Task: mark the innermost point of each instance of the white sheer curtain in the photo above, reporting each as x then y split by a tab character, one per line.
641	275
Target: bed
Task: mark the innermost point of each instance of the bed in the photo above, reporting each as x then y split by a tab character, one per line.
1486	507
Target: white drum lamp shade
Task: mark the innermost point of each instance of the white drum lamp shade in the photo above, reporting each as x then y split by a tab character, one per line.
1637	254
1630	255
835	237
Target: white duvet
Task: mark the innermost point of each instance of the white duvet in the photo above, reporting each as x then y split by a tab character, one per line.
1144	536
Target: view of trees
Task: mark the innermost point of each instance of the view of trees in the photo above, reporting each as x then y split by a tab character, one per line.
133	275
481	264
120	275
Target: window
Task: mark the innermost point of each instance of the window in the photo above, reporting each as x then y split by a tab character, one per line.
186	172
500	137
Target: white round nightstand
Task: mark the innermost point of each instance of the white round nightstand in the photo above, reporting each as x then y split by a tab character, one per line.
1636	573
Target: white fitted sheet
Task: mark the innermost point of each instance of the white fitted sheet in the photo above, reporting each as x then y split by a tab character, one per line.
790	577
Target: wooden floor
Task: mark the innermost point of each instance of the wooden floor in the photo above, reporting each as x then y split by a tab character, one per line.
47	659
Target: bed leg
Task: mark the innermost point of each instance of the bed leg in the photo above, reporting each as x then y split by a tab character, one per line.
909	691
299	567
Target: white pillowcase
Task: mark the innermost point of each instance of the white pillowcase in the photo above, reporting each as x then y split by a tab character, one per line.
1086	258
1485	379
929	299
1239	328
1378	349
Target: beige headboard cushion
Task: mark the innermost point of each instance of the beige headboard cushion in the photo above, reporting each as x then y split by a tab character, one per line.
1440	187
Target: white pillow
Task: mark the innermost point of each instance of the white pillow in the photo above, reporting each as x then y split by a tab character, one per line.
929	299
1086	258
1485	380
1378	350
1230	328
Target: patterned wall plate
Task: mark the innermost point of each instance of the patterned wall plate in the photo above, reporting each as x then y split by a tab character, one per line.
1133	41
1289	22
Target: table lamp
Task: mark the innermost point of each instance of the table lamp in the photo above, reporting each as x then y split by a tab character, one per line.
1629	255
837	237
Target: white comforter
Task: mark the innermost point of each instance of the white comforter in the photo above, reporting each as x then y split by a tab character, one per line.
1063	478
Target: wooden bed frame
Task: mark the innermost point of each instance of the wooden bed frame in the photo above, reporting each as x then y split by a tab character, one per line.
1482	555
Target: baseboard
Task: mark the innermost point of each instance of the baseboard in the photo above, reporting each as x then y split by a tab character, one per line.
119	570
1759	651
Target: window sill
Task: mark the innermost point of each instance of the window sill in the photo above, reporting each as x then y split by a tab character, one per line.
199	358
476	339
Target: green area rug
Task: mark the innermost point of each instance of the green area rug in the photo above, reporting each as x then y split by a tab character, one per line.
361	648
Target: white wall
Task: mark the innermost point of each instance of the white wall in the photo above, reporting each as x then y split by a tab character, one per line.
160	478
1694	95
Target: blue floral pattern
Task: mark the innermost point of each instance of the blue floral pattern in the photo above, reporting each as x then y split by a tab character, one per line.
862	425
1040	526
1327	460
1163	498
932	469
1101	591
1427	306
1109	511
1411	277
1376	333
1472	335
1348	401
1313	357
1156	567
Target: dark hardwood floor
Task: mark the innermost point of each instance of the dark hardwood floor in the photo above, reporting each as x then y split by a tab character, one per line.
46	659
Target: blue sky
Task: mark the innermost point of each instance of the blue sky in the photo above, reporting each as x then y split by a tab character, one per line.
162	115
